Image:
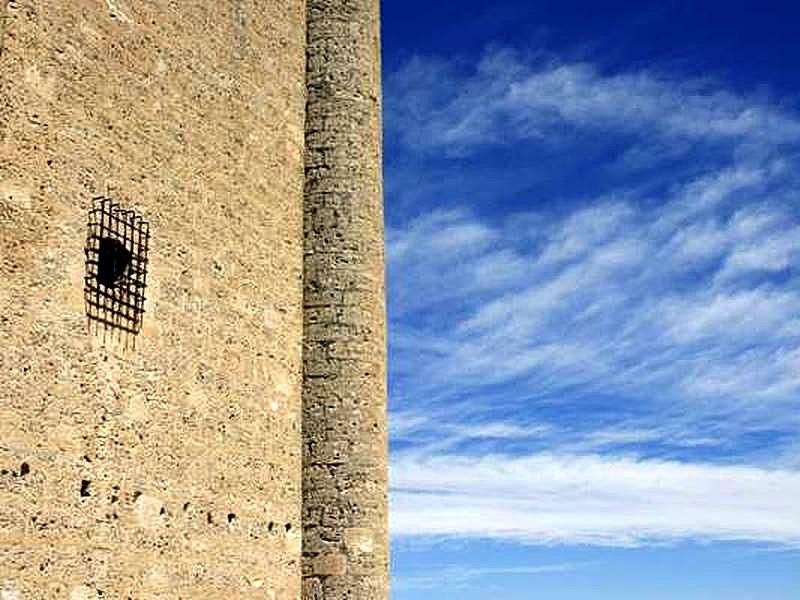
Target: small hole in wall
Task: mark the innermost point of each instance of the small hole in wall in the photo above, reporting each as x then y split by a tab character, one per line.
288	527
85	483
271	526
209	519
163	511
185	506
231	517
24	469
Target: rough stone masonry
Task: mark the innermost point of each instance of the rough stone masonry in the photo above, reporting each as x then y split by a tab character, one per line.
232	444
345	528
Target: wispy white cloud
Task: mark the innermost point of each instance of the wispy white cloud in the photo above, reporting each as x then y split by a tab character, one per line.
775	252
548	499
431	105
432	432
653	328
611	294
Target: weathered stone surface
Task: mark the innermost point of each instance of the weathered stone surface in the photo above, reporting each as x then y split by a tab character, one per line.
344	389
329	563
172	470
359	540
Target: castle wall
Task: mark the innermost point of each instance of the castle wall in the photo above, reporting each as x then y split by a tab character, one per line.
345	528
171	470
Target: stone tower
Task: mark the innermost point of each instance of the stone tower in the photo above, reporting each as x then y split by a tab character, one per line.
192	332
345	528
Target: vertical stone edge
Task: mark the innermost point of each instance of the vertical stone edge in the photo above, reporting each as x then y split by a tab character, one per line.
345	440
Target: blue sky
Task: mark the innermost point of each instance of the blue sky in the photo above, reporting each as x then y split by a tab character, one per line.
593	236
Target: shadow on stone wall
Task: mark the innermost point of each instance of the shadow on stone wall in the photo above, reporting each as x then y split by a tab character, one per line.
116	270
